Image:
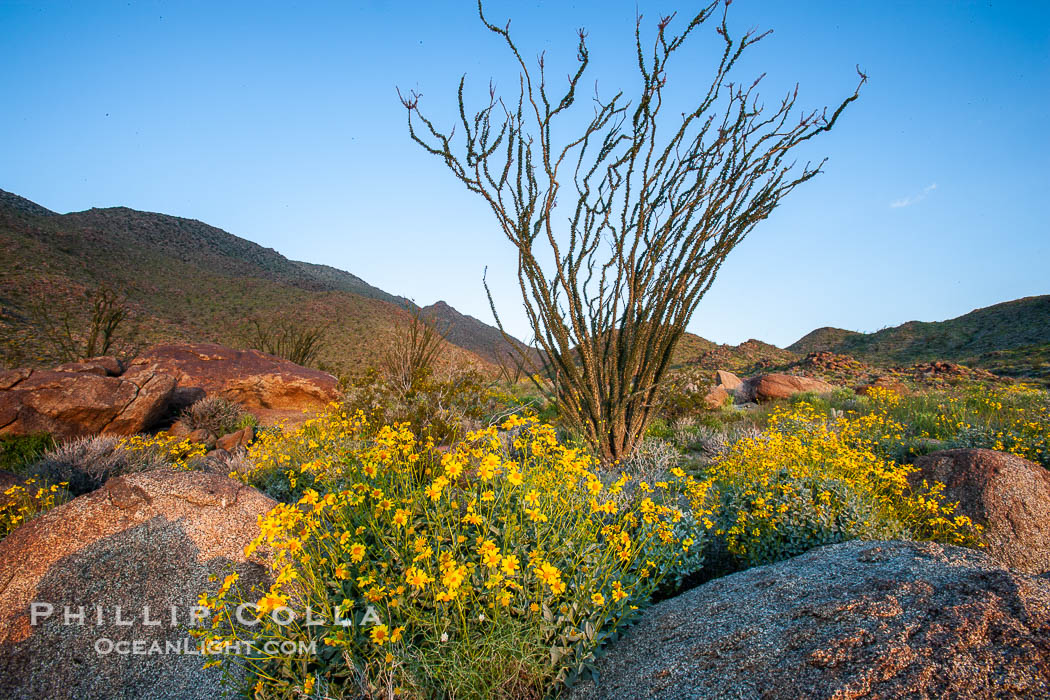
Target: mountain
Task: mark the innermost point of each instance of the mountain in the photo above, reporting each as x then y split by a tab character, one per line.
1011	338
12	202
185	280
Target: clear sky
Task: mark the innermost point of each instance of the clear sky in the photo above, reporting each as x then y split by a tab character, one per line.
279	122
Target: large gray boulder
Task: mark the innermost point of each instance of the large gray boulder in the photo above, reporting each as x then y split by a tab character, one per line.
149	539
851	620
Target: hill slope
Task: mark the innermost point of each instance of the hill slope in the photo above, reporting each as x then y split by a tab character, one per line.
183	280
480	338
1012	338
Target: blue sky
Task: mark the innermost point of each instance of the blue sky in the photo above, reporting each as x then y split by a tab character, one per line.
281	124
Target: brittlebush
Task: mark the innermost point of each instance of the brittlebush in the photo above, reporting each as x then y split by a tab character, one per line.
177	452
496	568
21	502
808	481
1014	418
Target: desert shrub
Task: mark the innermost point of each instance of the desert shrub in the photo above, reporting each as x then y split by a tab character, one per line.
286	337
247	420
18	450
441	408
88	325
84	464
715	442
809	481
723	419
411	354
683	432
216	415
683	394
495	569
233	463
24	501
658	428
652	459
677	401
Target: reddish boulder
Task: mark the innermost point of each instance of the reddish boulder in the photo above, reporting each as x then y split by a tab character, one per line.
730	381
240	439
767	387
10	377
1007	495
73	403
179	429
140	549
716	397
104	366
270	387
201	436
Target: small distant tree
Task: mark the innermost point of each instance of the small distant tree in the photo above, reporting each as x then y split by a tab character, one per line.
509	362
294	340
610	282
87	329
411	355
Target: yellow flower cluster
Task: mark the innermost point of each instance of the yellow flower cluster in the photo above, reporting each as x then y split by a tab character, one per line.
286	463
508	533
1014	418
809	481
20	502
179	452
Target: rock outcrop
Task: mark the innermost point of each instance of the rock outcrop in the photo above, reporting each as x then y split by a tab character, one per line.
727	380
1007	495
716	397
135	550
81	399
270	387
767	387
858	619
104	366
236	440
950	372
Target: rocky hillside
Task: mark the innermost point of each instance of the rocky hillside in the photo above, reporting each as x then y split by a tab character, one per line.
749	357
480	338
184	280
1011	338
